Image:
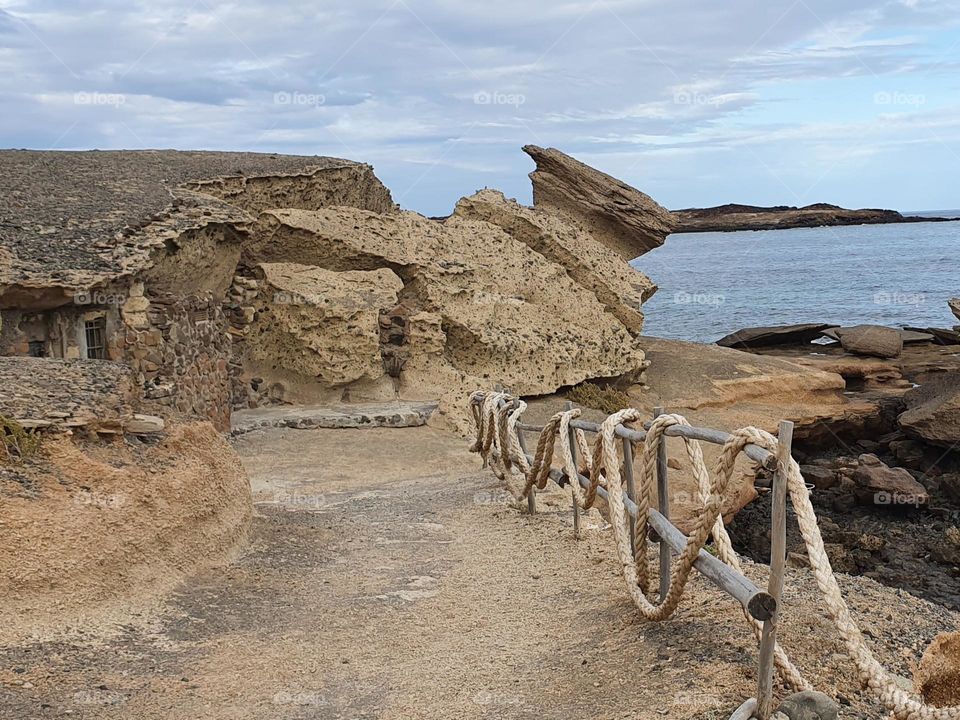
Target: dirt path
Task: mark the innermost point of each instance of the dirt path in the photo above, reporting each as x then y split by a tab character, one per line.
412	590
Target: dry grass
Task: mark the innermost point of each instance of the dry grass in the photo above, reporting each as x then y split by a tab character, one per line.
16	442
605	399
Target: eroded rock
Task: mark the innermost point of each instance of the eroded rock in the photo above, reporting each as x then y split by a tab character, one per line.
880	484
617	215
620	288
756	337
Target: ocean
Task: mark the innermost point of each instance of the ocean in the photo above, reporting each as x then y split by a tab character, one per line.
712	284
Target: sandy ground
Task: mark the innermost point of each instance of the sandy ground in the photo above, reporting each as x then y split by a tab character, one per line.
388	577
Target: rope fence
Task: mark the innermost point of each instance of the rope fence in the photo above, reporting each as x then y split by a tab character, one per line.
626	461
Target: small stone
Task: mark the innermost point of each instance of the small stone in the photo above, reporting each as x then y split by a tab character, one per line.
809	705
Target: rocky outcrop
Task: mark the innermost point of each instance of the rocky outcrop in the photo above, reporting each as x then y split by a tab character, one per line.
872	340
954	304
731	217
933	411
615	214
757	337
600	271
477	306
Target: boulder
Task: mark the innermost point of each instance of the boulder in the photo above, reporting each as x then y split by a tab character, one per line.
599	270
873	340
809	705
933	411
912	337
822	478
937	678
144	424
954	304
880	484
617	215
756	337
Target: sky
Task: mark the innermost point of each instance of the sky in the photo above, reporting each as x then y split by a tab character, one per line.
695	102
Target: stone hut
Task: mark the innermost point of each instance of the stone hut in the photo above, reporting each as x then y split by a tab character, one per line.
131	257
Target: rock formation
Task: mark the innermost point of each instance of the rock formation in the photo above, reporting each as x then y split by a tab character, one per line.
473	305
619	287
617	215
880	484
954	304
933	411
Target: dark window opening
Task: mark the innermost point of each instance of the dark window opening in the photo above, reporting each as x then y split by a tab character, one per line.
37	348
95	335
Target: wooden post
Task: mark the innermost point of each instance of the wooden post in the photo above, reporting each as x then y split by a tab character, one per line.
631	489
663	498
532	495
778	551
572	437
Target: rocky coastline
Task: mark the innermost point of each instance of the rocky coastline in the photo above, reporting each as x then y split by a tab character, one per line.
733	217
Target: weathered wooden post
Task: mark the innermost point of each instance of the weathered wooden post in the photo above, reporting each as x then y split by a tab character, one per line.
663	500
532	495
631	489
572	437
778	551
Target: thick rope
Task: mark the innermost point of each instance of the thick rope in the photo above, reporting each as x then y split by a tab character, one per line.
496	416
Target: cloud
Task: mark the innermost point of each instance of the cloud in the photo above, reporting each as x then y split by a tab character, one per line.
661	91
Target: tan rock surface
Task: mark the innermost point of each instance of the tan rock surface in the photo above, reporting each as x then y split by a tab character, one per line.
500	311
317	326
937	678
933	411
620	288
617	215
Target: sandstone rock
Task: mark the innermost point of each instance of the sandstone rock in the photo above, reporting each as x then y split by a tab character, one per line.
941	336
937	678
776	335
912	337
505	312
933	411
954	304
617	215
617	286
874	340
880	484
144	424
809	705
320	326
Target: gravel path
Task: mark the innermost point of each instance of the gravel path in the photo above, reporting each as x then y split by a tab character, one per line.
413	589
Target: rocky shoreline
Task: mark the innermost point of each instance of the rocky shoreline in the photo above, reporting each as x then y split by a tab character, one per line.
733	217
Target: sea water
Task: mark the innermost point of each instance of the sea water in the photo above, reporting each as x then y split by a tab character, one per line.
712	284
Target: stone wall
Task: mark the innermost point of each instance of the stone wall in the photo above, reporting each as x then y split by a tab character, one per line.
180	352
